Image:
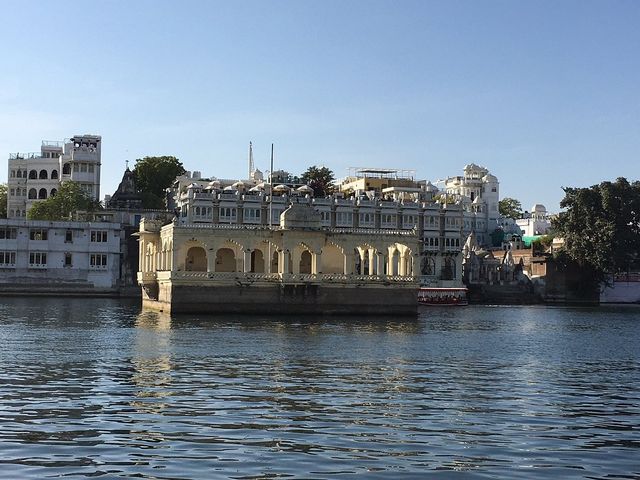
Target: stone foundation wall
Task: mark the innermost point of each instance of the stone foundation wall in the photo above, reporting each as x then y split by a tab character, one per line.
286	299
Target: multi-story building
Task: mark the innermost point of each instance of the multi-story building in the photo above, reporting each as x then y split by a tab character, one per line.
37	176
68	256
388	202
478	193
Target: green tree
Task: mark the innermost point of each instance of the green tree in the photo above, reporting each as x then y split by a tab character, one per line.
510	208
155	174
320	179
601	227
3	200
69	199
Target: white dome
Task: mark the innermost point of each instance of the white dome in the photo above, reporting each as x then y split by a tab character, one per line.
538	208
489	178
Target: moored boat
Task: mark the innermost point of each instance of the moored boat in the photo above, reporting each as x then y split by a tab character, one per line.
442	296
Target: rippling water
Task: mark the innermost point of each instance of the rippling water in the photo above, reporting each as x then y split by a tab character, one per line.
99	388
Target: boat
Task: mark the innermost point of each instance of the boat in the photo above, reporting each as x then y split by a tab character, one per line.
442	296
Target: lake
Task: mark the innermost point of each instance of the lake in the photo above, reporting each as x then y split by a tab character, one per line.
99	388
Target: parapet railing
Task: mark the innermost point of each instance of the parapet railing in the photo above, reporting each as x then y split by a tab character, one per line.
23	156
250	277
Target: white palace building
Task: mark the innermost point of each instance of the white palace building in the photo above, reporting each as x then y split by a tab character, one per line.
369	246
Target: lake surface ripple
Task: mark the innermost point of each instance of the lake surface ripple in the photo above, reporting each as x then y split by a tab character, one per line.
98	388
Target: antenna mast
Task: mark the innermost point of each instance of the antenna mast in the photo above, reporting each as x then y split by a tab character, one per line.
271	190
251	166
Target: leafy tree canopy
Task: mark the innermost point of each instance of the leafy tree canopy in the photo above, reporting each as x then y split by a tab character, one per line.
320	179
510	208
155	174
68	200
3	200
601	226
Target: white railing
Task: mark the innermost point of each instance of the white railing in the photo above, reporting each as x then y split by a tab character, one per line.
371	231
250	277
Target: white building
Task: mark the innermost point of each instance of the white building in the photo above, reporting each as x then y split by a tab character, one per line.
537	222
62	255
36	176
478	192
381	206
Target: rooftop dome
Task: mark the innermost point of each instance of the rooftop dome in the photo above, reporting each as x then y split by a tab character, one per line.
305	189
300	215
538	208
489	178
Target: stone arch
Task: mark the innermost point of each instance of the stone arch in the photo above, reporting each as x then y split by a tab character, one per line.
150	257
42	194
33	194
226	260
257	261
304	264
53	192
66	169
449	268
44	175
33	174
333	259
54	174
428	265
196	260
366	259
394	261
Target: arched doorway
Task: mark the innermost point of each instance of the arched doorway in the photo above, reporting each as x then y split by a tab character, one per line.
257	261
305	262
225	260
196	260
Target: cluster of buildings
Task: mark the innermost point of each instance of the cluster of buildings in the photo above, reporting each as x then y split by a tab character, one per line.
380	226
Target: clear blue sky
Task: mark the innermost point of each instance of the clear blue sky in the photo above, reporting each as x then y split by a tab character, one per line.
543	93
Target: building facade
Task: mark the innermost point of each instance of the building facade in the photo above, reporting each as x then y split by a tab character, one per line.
396	204
70	256
478	193
296	267
33	177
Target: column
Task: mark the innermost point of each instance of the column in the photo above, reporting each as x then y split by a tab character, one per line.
348	263
371	264
247	261
316	262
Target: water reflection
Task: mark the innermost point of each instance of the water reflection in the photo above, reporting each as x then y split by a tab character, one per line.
151	361
494	392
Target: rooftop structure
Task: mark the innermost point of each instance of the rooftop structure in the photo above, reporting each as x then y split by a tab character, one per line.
37	176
